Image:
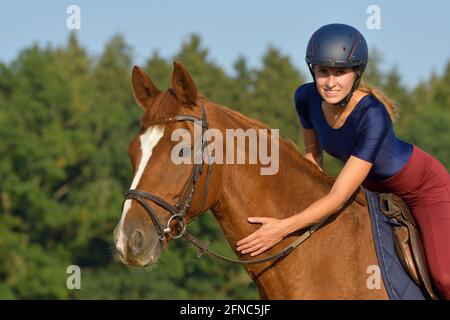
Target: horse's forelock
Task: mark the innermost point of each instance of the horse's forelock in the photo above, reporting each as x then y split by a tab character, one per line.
164	107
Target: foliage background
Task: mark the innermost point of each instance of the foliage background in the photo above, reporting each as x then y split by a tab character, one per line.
66	118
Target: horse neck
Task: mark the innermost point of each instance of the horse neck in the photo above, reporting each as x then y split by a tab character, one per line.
245	192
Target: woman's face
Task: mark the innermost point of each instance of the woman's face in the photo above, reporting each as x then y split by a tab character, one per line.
334	83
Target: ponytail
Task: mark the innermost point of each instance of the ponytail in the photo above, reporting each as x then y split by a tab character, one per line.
388	103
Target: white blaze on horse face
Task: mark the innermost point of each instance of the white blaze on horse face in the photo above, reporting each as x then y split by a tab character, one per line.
148	141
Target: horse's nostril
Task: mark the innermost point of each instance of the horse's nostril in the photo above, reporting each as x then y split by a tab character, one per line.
136	242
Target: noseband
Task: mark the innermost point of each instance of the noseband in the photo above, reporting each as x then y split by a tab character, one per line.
179	210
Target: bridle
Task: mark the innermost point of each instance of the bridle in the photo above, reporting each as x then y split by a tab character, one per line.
179	210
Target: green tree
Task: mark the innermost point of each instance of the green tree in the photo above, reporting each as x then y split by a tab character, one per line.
428	125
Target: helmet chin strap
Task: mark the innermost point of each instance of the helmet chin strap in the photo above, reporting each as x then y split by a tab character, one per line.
343	103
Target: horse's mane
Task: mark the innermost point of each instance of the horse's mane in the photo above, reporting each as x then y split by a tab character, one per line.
290	146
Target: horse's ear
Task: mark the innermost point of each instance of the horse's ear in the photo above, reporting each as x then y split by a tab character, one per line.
144	90
183	85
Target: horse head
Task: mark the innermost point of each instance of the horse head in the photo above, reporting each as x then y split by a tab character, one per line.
165	193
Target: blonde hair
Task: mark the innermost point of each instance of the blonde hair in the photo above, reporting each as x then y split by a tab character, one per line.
390	105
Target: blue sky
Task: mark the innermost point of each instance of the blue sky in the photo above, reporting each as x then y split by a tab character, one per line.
414	36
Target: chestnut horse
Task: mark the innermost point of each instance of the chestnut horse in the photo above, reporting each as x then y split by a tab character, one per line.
333	263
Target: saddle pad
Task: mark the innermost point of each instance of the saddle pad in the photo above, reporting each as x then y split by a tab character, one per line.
398	283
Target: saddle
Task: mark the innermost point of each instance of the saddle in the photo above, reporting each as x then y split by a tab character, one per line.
407	241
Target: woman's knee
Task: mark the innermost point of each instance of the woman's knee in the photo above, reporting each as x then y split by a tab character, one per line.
442	282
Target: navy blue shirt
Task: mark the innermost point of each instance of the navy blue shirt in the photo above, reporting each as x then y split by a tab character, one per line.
367	133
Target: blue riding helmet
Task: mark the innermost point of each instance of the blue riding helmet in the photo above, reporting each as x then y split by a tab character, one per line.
338	45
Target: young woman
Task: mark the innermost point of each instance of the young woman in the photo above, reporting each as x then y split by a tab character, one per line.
353	122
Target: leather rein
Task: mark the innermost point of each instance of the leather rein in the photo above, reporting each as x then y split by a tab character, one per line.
179	210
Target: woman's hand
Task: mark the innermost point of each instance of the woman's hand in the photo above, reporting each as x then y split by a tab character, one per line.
271	232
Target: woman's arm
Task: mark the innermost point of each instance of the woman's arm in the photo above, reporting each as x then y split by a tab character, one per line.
348	180
274	230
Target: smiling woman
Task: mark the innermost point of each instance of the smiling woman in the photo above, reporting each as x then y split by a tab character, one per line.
352	122
334	84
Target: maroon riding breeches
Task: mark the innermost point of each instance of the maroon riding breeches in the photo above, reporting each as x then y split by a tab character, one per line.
424	185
